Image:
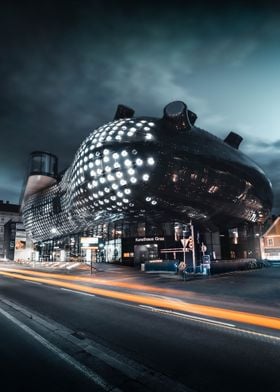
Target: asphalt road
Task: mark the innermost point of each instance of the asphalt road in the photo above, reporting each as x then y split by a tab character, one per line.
27	365
137	346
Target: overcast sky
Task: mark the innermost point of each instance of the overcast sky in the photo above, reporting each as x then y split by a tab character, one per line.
65	66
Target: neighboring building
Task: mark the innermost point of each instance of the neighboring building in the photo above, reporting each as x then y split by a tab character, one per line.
134	182
16	245
7	212
270	241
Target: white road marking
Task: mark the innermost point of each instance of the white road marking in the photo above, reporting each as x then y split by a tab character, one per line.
275	339
77	292
66	357
188	316
30	281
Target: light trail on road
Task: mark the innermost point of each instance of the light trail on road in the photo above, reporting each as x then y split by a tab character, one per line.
219	313
103	282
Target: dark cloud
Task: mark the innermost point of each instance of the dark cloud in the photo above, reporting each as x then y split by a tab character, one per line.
66	65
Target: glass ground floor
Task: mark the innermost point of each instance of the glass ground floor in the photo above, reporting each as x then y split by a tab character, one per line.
130	244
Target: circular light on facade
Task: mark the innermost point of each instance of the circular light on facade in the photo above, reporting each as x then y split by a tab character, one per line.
139	162
115	186
102	180
110	177
90	165
154	202
133	180
106	151
119	174
148	136
127	162
131	171
123	182
124	153
106	159
116	155
97	162
146	177
148	198
151	161
119	194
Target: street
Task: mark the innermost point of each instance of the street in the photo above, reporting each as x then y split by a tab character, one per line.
125	343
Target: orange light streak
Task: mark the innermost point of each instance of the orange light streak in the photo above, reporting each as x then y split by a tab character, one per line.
219	313
98	281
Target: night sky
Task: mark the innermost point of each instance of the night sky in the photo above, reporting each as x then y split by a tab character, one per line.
65	66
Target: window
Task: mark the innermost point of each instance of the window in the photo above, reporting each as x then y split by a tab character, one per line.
270	242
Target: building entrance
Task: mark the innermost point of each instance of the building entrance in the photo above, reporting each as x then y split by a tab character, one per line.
145	252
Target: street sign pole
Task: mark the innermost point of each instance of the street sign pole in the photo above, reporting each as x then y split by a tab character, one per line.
193	246
184	243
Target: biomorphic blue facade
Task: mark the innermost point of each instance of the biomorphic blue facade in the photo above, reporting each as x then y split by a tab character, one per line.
153	169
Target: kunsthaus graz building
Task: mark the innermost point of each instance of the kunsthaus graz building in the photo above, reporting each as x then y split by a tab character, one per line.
135	184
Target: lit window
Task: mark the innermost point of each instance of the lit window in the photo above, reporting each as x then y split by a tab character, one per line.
270	242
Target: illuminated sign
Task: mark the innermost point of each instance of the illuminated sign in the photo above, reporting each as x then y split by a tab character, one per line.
89	242
149	239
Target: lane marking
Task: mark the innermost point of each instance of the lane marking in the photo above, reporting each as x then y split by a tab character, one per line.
275	339
187	316
78	292
61	354
30	281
